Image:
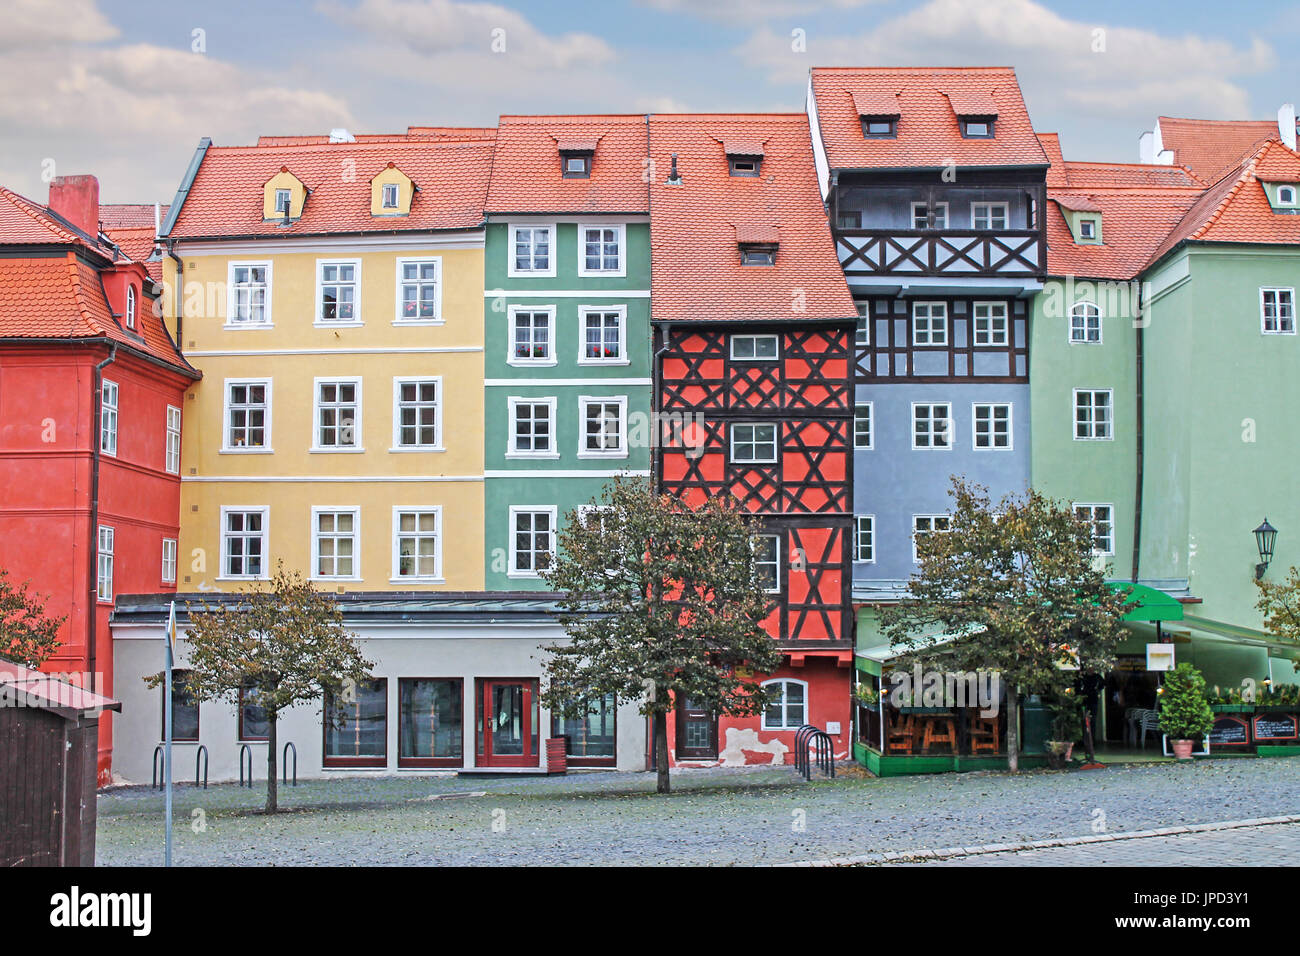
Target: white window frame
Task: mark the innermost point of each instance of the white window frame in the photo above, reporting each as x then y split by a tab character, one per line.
384	194
621	312
974	426
397	576
1277	298
316	512
104	541
265	536
131	307
512	231
862	330
402	262
923	207
776	443
871	426
169	559
857	538
226	448
1091	507
1082	307
785	704
992	341
267	321
283	207
621	230
398	382
1295	195
1087	228
776	562
551	358
172	451
932	518
1074	414
753	340
951	430
930	328
319	310
621	402
357	446
513	402
513	570
987	208
109	395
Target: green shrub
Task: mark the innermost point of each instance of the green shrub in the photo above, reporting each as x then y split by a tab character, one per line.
1184	712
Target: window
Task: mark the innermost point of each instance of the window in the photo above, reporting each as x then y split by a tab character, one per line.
932	426
755	347
338	415
532	336
753	255
603	432
864	538
1087	229
532	427
921	215
988	215
250	286
862	331
243	542
108	417
253	722
977	128
282	201
418	291
1103	525
338	291
248	415
185	710
849	219
753	444
356	725
990	323
390	196
787	705
603	337
169	561
1092	414
879	127
992	428
862	425
1085	324
334	543
749	166
767	561
927	524
576	165
430	722
929	323
602	250
417	413
1277	311
172	460
104	565
417	544
591	737
1286	195
130	307
533	540
532	250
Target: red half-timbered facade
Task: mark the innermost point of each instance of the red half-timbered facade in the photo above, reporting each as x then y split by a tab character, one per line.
754	329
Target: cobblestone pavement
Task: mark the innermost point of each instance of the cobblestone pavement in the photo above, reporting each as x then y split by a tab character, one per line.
751	816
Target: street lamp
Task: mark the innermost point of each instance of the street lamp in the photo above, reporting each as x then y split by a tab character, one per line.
1265	535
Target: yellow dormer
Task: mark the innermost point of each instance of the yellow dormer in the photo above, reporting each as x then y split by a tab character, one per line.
391	192
281	189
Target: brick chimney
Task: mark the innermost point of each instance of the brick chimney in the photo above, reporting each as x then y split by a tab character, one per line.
76	199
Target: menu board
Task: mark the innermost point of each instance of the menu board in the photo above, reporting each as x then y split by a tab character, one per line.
1276	727
1229	731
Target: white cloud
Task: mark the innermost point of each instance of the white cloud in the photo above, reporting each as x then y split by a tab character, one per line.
30	25
740	11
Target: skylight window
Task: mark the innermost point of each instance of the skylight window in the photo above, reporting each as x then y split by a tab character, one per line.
755	254
576	165
977	128
880	127
745	165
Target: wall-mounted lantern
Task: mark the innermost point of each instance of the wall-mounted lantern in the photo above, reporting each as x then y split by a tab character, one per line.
1265	535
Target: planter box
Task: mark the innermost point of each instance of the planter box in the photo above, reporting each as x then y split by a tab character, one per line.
1233	708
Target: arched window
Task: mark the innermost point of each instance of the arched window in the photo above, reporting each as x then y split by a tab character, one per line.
1085	323
787	705
130	307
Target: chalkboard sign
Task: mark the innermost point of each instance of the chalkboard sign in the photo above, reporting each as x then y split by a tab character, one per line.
1276	727
1229	731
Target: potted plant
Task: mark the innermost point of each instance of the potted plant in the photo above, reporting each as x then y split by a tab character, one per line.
1185	714
1066	727
866	695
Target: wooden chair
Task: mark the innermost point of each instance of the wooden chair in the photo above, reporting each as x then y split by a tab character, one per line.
983	735
940	730
901	736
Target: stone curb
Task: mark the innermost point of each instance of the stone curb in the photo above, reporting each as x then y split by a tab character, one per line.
908	856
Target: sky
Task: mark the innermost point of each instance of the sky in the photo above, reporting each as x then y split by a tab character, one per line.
125	89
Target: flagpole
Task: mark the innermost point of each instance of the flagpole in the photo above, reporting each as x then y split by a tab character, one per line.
167	726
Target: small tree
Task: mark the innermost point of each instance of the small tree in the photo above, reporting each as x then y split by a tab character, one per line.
1020	582
1185	714
659	601
27	635
286	639
1279	602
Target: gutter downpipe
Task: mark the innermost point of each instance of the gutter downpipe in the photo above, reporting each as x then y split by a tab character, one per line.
96	440
1140	437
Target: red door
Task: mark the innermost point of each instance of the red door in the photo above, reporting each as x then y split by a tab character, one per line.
507	723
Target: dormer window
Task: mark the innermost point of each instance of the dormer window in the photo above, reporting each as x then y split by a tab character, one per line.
282	199
745	165
879	113
390	195
1087	229
130	307
284	196
391	192
1286	195
880	127
757	254
977	127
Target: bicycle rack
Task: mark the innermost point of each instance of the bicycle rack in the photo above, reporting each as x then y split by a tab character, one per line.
201	754
284	760
245	749
159	768
807	740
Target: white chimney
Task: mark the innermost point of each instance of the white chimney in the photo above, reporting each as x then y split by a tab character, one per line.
1286	124
1147	148
341	135
1165	157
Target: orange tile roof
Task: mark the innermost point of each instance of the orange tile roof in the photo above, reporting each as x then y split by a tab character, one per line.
129	215
1051	143
928	132
1210	148
225	199
526	174
695	226
25	222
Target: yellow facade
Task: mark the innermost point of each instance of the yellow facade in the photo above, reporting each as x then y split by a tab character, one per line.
295	350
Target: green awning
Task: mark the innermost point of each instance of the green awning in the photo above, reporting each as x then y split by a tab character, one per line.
1245	636
1148	604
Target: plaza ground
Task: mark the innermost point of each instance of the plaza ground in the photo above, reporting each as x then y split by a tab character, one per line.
713	817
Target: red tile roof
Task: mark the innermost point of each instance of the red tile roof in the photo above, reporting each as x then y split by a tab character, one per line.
526	174
1210	148
24	222
129	215
695	226
225	199
928	132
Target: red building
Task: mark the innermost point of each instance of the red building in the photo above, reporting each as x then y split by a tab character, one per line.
754	335
92	389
